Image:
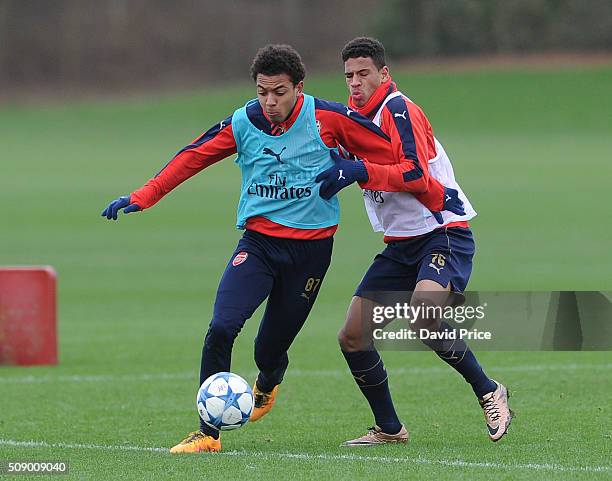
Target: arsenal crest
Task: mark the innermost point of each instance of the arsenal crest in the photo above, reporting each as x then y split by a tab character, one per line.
240	258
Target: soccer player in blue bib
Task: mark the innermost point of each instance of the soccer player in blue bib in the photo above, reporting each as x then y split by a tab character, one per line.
283	139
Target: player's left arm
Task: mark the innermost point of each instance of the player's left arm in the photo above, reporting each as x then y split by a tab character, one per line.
385	165
413	142
339	125
390	164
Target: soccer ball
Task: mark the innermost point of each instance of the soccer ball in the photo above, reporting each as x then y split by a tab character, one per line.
225	401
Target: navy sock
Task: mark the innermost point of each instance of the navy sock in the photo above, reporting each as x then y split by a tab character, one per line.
369	372
460	357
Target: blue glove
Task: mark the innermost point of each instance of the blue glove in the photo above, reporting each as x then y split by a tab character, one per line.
452	203
122	202
342	174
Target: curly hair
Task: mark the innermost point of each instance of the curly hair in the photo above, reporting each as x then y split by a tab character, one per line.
365	47
278	59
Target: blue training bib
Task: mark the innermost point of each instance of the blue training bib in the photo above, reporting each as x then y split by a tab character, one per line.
278	172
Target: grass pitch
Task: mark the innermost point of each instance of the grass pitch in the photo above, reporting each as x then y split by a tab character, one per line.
531	150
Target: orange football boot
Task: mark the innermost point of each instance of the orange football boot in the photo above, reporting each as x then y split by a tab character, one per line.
263	402
197	442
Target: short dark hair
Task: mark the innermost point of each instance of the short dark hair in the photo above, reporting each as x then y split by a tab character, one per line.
365	47
278	59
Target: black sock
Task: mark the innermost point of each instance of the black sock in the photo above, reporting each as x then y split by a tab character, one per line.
206	429
369	372
460	357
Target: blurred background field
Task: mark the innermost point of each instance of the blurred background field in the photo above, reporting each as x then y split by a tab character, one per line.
530	146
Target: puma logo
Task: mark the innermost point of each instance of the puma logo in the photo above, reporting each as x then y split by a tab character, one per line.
268	151
402	115
438	269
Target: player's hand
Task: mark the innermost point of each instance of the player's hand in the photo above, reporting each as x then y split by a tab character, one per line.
122	202
452	203
342	174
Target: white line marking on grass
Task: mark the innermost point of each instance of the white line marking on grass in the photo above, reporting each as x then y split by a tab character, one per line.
425	461
30	379
324	457
99	377
44	444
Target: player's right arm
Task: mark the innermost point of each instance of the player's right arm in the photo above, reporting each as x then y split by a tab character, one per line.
212	146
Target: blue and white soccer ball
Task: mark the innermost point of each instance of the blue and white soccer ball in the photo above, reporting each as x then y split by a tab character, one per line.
225	401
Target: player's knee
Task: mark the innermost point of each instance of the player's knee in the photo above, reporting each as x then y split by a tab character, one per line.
350	337
350	341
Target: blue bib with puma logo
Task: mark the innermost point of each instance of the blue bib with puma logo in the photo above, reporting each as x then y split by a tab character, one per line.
278	172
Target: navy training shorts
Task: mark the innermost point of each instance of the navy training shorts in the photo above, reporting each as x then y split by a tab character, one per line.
443	255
